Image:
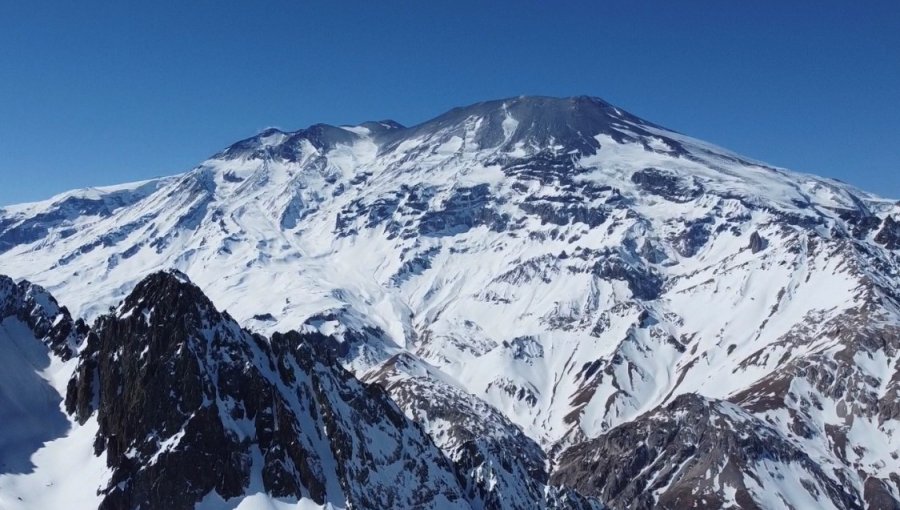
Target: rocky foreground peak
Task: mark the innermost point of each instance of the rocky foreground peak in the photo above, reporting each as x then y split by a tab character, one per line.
186	399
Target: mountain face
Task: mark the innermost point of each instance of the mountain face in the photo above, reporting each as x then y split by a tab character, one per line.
189	410
683	453
571	302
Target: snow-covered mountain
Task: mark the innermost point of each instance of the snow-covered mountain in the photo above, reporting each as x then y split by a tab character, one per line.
569	300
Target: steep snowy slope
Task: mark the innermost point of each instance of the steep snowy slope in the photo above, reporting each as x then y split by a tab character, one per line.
561	261
40	447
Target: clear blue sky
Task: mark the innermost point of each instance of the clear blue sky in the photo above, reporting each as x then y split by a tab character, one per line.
95	93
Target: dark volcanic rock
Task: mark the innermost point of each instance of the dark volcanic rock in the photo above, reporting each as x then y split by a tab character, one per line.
18	231
666	185
467	208
542	122
694	237
187	400
564	211
889	235
757	243
860	222
878	495
644	282
49	321
287	146
684	455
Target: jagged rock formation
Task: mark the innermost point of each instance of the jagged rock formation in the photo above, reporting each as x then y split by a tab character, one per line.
889	235
36	309
757	243
550	272
187	400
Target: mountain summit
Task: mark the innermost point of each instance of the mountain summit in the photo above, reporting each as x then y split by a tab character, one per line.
534	122
538	283
537	122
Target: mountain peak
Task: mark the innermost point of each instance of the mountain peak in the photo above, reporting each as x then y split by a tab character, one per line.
532	123
172	278
526	276
376	126
165	294
288	145
521	121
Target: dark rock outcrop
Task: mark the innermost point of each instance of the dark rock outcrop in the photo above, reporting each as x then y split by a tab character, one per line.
693	453
666	185
467	208
187	400
40	311
693	237
889	235
644	282
757	243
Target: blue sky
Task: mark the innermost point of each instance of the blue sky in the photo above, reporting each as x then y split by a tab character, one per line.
95	93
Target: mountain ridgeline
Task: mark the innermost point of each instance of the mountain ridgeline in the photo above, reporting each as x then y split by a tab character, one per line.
525	303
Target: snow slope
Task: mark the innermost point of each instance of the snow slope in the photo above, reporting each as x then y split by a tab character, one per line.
564	262
40	446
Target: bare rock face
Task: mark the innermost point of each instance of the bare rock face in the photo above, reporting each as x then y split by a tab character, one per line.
49	321
889	235
187	400
757	243
666	185
877	494
693	453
